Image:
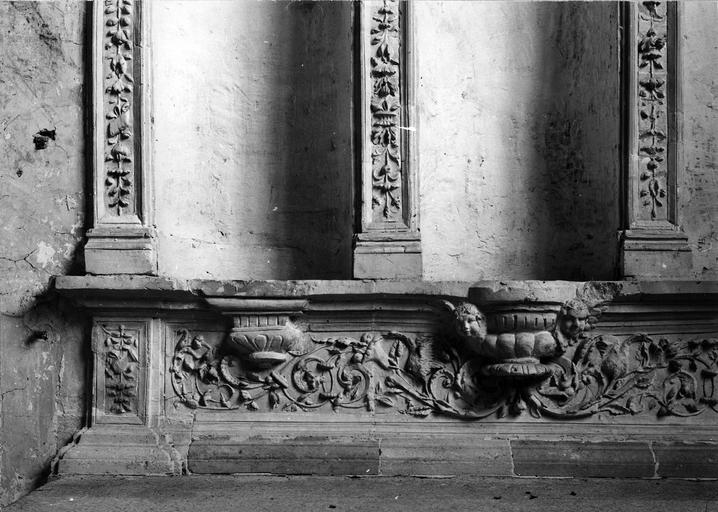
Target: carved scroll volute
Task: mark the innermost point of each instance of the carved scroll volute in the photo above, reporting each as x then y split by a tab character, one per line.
388	187
121	240
653	244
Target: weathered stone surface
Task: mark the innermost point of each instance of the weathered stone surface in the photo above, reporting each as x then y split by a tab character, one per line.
42	205
583	459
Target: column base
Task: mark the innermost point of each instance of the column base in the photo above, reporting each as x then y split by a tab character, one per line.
655	254
387	256
120	250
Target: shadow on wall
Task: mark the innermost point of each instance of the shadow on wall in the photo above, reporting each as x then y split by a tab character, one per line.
310	202
573	161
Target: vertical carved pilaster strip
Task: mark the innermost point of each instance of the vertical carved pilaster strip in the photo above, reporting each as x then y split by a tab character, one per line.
121	240
120	371
652	243
387	244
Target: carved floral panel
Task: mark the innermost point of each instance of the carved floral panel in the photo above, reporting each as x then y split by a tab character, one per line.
121	369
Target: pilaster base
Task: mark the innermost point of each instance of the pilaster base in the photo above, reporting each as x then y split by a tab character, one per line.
387	256
655	254
119	450
120	250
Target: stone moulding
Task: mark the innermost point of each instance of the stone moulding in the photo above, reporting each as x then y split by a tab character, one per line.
382	360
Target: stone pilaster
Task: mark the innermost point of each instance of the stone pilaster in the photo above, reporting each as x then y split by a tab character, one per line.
652	244
387	243
121	240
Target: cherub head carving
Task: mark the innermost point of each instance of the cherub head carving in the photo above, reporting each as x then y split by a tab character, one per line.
469	322
573	318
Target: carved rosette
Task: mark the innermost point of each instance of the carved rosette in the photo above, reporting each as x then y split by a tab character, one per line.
121	371
385	107
652	107
118	83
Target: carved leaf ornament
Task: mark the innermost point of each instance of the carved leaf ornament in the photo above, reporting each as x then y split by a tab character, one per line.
118	81
385	108
121	368
652	122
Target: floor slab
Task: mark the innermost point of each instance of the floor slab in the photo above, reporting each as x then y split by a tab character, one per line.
259	493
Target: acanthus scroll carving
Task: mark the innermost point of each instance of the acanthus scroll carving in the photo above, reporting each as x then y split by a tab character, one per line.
118	86
652	119
562	372
385	110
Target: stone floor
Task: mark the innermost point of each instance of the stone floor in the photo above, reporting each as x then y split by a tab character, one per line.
376	494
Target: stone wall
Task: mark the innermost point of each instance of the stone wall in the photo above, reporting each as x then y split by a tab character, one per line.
42	343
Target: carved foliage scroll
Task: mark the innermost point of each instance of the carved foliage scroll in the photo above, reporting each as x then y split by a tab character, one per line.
386	111
427	375
652	107
118	101
121	370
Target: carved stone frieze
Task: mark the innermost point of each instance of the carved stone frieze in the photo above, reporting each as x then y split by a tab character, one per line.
121	370
118	84
467	372
386	111
652	105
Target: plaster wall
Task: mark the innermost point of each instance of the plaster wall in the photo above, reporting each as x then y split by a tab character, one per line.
698	178
252	138
518	142
42	342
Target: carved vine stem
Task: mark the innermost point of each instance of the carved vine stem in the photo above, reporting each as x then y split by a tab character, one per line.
385	111
652	76
118	83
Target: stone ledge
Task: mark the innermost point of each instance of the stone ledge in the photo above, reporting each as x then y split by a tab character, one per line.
481	291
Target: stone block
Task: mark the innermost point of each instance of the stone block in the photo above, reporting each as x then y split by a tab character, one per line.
683	460
582	459
662	255
445	455
310	455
